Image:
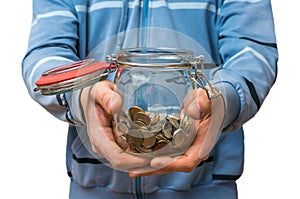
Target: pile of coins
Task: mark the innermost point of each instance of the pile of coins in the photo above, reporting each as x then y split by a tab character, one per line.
146	132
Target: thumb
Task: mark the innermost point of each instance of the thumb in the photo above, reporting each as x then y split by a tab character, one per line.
200	106
105	95
194	110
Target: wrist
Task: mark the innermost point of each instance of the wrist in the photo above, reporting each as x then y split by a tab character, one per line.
231	101
75	107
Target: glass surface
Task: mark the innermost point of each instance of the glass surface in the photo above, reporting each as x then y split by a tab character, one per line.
155	85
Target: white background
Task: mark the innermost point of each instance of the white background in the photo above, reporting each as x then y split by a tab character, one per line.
32	142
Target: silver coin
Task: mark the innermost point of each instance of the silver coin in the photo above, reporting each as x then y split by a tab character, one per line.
167	129
174	123
123	117
179	137
157	127
122	126
134	138
154	118
149	139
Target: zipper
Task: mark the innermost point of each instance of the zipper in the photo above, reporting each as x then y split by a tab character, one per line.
123	25
138	188
145	22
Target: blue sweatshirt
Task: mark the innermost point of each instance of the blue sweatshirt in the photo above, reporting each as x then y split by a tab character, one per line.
237	35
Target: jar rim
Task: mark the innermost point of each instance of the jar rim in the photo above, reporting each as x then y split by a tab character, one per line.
155	57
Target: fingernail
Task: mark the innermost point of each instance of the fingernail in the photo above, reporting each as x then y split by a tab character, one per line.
195	110
109	106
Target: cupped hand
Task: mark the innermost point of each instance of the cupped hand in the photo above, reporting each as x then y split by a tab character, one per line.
99	102
199	109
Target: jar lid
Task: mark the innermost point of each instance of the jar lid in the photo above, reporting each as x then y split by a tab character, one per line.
155	57
71	76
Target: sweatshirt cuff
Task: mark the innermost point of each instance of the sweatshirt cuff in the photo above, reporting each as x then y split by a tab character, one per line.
232	103
74	110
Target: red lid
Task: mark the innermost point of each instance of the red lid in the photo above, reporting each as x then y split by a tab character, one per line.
71	71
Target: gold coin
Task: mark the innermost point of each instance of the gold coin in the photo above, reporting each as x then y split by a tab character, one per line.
133	110
139	124
121	140
149	139
160	144
160	136
140	116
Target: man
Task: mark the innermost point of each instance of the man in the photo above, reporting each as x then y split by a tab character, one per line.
237	34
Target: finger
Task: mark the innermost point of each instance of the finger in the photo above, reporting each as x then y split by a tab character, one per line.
184	163
104	143
194	110
168	169
154	168
145	171
161	167
105	102
200	106
105	95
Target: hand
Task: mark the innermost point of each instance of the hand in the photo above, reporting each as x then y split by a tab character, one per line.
99	102
199	109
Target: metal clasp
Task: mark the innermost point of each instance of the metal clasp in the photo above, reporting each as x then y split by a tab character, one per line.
112	60
200	78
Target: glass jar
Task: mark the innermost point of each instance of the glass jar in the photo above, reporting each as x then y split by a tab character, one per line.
155	86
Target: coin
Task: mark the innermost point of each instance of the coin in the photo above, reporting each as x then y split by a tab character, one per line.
122	117
174	121
167	129
160	144
154	118
134	138
179	137
141	116
122	142
160	136
120	138
139	124
133	110
122	126
149	139
157	127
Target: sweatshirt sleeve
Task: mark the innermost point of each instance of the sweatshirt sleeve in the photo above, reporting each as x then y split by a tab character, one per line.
248	50
52	42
